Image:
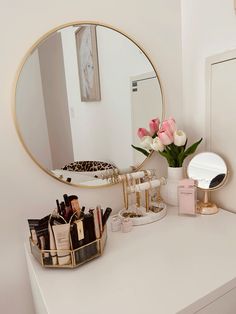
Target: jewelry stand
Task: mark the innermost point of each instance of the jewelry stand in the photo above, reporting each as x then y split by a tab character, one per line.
132	184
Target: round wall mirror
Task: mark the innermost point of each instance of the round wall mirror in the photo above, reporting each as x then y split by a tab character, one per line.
81	94
210	172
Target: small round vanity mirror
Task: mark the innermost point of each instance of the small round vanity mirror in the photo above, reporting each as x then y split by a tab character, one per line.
210	172
81	94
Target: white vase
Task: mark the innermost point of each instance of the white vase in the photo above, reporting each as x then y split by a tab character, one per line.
169	191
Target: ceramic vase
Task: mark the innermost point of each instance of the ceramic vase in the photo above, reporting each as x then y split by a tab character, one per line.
169	191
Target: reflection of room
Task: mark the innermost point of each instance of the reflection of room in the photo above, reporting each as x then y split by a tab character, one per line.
69	129
205	167
119	60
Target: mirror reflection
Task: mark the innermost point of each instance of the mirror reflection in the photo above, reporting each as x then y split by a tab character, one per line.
81	95
208	170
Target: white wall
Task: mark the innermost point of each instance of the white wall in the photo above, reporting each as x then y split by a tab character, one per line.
208	27
26	191
30	107
119	60
55	98
72	83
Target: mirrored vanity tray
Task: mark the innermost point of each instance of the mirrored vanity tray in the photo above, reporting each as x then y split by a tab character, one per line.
72	258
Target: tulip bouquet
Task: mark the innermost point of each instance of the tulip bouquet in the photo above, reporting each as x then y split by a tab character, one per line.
165	138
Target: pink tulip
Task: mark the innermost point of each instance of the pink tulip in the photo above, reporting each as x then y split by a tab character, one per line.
166	137
169	125
154	126
143	132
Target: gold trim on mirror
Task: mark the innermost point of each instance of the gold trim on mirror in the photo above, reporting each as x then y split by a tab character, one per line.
206	206
31	50
222	183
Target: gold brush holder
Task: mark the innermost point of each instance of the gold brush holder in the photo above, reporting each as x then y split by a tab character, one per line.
77	257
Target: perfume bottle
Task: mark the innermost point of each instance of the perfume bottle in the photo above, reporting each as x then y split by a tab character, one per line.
187	196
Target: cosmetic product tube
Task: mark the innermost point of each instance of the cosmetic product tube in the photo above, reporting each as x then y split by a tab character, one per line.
89	235
97	229
126	225
81	254
187	196
115	223
106	216
89	226
43	241
78	241
52	245
32	224
62	209
55	219
68	209
58	207
41	233
62	239
99	211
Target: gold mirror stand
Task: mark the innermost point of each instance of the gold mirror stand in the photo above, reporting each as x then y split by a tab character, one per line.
206	207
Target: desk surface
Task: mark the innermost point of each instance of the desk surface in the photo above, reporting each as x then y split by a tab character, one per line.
176	265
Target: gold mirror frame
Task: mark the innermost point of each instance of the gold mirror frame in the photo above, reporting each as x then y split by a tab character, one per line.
31	50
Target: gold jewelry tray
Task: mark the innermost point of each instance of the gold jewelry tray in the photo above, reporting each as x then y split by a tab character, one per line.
69	258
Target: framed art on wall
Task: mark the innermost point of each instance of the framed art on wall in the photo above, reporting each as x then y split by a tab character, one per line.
87	55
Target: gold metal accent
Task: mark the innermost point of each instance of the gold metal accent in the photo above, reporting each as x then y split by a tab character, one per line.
138	197
159	198
206	207
40	254
22	63
131	186
126	199
147	200
126	194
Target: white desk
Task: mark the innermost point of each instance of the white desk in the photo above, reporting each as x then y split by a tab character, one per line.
176	265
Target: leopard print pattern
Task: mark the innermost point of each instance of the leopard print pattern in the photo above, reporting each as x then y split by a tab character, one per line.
87	165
